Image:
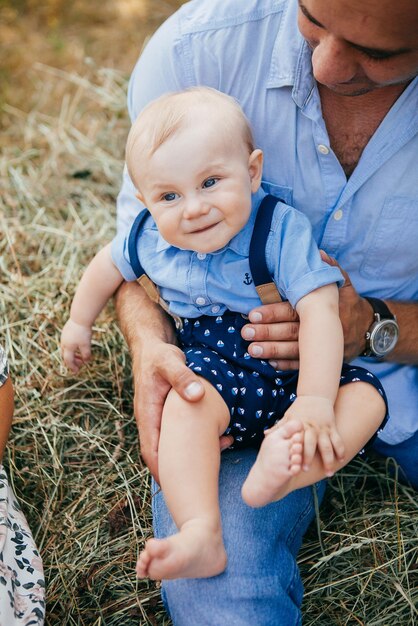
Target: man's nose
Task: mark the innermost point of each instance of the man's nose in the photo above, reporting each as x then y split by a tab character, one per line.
334	61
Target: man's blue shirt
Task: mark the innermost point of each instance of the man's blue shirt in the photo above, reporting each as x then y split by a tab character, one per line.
369	223
197	284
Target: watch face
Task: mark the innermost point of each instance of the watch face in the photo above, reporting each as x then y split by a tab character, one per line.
384	337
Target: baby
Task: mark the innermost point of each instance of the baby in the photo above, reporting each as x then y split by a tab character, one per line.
212	242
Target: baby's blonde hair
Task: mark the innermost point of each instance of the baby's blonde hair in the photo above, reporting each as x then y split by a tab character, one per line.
163	117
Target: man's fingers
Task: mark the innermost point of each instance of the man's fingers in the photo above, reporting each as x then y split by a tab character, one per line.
225	441
151	461
148	418
273	313
173	369
150	457
328	259
284	364
331	261
271	331
275	350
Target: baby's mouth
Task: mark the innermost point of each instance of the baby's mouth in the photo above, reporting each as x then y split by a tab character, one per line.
204	228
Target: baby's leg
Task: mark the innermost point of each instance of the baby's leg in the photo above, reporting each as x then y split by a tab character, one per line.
359	411
189	458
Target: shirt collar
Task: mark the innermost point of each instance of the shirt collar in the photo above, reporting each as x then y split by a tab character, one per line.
290	64
241	242
162	244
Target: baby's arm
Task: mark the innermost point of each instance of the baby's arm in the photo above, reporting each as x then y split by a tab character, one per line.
321	354
98	283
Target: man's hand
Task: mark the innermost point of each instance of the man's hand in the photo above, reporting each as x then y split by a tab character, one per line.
274	328
274	332
157	368
320	432
161	366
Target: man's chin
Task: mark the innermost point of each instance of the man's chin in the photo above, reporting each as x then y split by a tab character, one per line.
352	90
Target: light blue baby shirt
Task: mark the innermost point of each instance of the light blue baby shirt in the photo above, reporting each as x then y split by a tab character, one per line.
195	284
369	223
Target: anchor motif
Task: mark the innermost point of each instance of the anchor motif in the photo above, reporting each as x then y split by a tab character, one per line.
247	280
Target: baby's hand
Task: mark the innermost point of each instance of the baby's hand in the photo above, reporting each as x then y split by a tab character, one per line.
75	345
317	415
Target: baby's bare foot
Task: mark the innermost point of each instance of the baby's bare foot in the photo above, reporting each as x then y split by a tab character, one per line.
196	551
279	459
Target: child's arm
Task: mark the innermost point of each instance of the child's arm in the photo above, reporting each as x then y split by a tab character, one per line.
98	283
321	346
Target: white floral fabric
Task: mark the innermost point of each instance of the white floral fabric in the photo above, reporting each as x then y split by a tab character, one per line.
22	585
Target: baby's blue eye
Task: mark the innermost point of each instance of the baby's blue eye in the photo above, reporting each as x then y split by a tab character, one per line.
169	197
209	182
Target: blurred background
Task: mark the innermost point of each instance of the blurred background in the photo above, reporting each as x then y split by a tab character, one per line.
70	35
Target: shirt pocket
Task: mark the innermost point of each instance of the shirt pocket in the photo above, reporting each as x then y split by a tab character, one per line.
278	191
393	250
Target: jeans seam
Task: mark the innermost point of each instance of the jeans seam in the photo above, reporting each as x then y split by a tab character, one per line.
291	536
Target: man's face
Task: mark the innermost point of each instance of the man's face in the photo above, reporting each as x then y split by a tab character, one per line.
361	45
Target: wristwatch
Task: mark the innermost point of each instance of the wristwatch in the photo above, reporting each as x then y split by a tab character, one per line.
383	334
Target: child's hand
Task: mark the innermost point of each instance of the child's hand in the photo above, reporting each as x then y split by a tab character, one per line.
317	415
75	345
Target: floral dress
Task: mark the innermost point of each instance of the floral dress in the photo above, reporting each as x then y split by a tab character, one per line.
22	585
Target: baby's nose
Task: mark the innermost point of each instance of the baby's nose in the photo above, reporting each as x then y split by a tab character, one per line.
195	207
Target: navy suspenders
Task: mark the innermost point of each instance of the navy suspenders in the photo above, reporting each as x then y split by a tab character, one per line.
262	278
132	247
151	288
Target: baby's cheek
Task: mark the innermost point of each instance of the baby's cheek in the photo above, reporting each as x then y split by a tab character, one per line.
170	230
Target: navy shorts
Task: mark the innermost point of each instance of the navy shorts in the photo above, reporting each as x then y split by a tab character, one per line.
256	394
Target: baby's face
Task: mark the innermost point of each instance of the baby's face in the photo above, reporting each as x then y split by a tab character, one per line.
197	186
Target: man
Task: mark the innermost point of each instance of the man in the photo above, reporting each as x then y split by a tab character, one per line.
329	87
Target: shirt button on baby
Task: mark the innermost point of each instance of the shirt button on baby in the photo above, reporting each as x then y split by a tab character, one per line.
338	215
200	301
323	149
201	256
216	308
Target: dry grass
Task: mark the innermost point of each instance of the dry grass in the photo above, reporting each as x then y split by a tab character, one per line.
73	457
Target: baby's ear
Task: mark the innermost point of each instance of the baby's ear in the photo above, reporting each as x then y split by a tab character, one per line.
140	196
255	168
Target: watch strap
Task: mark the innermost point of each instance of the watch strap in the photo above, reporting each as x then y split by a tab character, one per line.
381	313
380	308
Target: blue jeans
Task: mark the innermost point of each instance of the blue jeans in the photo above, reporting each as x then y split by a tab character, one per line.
261	585
405	454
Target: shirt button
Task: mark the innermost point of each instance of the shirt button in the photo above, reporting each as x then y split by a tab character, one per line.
201	256
200	301
338	215
216	308
323	149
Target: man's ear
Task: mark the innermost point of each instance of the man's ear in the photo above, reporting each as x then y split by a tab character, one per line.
255	168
